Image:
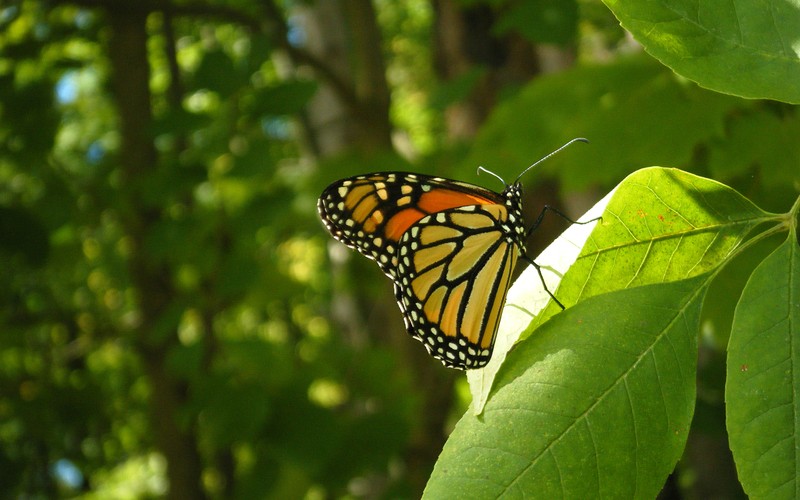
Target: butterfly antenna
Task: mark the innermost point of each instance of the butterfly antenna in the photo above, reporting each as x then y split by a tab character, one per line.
577	139
481	169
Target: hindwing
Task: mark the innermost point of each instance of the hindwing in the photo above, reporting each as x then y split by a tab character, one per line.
453	273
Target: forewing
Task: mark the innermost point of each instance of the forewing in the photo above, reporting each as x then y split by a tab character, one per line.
371	213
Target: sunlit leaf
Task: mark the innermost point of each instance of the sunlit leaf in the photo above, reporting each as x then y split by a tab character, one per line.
716	43
661	225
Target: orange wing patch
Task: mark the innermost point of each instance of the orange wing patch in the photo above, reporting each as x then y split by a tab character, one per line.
401	221
439	200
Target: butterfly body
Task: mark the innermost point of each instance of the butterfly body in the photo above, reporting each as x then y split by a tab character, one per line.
449	247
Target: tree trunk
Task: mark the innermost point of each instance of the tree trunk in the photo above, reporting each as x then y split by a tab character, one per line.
360	122
351	112
138	158
463	43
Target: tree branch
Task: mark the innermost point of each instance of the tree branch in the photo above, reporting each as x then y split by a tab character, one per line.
299	56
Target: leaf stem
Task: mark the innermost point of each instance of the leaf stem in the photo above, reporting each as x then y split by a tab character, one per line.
783	220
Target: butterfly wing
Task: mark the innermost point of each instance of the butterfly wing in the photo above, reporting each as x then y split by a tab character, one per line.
454	270
371	213
445	244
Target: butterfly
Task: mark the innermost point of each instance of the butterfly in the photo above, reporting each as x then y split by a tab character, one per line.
448	246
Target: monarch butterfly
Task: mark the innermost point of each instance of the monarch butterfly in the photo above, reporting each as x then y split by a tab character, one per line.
448	246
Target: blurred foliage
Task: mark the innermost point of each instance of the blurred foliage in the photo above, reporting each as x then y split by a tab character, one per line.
280	401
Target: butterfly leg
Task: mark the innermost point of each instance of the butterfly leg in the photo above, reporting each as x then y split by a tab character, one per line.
533	228
541	277
559	213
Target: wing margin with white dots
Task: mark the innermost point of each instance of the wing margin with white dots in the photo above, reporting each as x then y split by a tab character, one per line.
371	212
454	269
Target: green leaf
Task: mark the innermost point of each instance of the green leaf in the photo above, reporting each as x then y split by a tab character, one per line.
180	121
634	112
232	410
281	98
218	73
762	377
597	404
22	235
717	43
236	275
457	89
661	225
763	140
541	21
